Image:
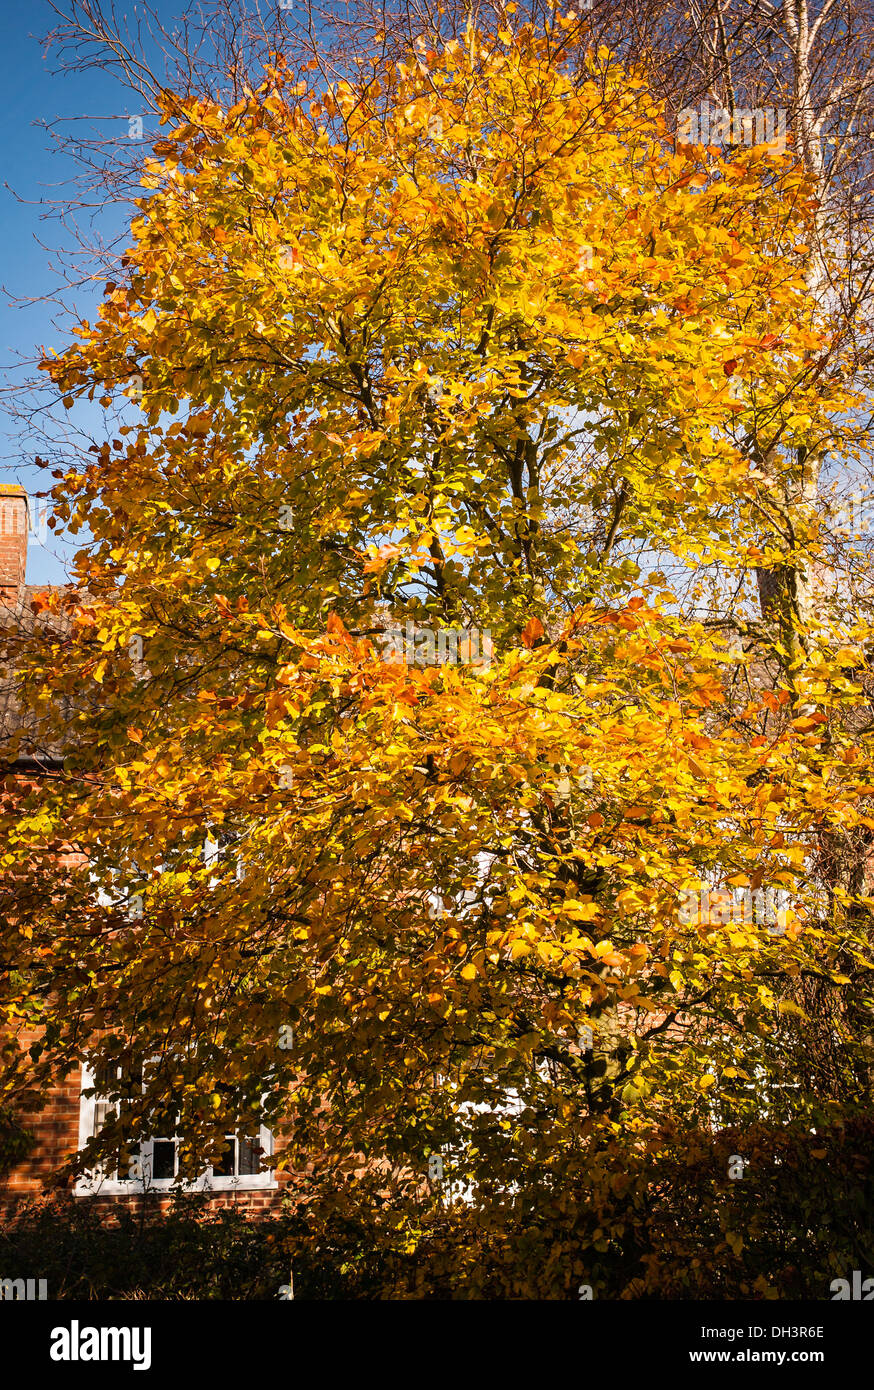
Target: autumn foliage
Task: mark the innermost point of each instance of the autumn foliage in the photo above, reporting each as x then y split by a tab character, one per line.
471	344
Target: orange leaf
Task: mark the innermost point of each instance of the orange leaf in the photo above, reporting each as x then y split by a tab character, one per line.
381	558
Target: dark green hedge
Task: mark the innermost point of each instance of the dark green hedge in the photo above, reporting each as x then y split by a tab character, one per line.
665	1224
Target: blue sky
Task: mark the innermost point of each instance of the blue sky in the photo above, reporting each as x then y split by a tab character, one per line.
33	173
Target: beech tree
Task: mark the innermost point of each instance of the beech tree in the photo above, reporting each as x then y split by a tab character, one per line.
468	344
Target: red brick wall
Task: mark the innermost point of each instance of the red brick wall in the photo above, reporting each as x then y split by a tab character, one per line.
13	540
56	1130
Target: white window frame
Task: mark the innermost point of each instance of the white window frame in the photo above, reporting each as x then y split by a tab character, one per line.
88	1185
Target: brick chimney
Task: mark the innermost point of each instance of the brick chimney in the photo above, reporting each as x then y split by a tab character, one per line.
13	540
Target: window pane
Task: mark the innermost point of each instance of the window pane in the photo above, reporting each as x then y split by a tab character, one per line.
250	1156
224	1166
103	1114
164	1158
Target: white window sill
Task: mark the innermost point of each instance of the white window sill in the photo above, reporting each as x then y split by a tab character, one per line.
111	1187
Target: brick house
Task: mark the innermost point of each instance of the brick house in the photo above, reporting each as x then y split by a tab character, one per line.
70	1118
